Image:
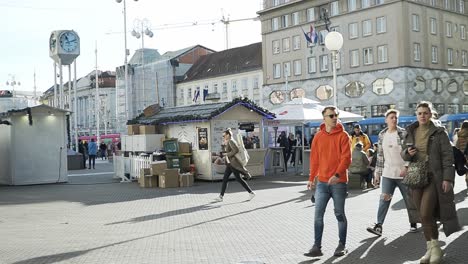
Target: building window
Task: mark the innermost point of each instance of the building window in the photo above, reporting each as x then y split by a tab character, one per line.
277	97
182	94
437	85
276	70
419	84
215	88
286	47
433	25
382	54
415	22
234	86
433	2
452	86
353	30
334	8
434	54
225	88
284	21
274	24
255	82
354	89
189	93
351	5
381	25
287	69
366	28
464	58
296	42
463	32
461	6
465	90
447	4
324	92
368	56
365	3
417	51
295	18
297	67
312	64
354	58
379	2
380	110
324	63
245	86
453	109
310	14
276	46
297	93
448	29
382	86
449	56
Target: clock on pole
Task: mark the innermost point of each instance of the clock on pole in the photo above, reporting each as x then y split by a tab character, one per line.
64	46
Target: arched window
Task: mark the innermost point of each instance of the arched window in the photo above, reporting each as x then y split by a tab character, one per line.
297	93
324	92
419	84
452	86
437	85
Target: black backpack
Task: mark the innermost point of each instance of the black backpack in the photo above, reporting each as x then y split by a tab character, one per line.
460	161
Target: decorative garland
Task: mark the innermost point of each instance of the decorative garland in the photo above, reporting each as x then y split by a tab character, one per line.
68	131
194	117
27	110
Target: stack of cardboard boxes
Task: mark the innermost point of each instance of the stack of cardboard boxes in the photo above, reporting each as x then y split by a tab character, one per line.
161	176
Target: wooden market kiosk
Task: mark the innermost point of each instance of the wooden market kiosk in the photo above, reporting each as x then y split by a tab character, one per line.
202	125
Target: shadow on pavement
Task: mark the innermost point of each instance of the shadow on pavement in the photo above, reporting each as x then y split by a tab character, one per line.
456	252
48	259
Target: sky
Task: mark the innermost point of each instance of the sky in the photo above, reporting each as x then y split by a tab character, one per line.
27	25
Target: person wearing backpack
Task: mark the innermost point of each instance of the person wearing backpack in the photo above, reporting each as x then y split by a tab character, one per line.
462	139
233	166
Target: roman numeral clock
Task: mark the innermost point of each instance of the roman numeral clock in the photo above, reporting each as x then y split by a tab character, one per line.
64	46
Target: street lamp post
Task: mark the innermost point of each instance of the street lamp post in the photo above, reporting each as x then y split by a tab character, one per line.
334	42
141	28
13	83
125	59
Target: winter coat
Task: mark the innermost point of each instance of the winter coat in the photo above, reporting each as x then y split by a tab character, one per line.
363	138
462	139
441	166
359	162
231	150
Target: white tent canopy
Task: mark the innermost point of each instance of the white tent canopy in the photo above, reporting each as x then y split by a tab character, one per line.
303	110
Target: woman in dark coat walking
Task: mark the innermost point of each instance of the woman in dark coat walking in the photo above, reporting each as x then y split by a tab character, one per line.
428	141
233	166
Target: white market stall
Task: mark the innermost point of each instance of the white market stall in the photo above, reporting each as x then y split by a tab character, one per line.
33	147
298	112
202	125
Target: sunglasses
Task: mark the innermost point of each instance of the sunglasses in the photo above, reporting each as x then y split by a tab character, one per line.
332	115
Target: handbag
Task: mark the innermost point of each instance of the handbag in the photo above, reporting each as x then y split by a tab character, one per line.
416	177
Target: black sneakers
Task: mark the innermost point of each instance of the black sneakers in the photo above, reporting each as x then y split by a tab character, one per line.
341	250
376	230
315	251
413	228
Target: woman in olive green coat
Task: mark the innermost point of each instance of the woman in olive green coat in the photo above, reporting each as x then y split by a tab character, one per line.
428	141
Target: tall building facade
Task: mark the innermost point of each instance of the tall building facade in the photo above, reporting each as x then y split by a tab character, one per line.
395	53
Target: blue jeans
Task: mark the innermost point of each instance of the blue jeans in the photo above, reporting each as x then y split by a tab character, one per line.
323	193
388	188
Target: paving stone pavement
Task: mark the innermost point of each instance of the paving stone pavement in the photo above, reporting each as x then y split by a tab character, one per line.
95	219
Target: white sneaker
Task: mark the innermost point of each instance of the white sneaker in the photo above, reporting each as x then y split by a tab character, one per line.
251	196
219	199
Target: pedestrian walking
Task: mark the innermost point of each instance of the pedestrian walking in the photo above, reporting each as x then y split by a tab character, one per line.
103	150
284	143
329	161
428	142
391	168
462	142
92	152
232	166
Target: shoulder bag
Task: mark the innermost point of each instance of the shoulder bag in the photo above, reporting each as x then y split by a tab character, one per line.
416	177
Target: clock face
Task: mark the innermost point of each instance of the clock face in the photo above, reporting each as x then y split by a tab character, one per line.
52	42
69	41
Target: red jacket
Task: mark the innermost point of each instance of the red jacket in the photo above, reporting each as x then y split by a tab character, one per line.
331	153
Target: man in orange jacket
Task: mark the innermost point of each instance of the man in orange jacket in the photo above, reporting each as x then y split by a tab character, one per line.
329	161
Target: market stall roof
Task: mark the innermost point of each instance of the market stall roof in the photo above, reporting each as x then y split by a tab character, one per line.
196	113
303	110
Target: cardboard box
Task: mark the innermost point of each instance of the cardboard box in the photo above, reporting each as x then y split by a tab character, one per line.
186	180
169	178
185	164
147	180
133	129
158	167
185	147
147	130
